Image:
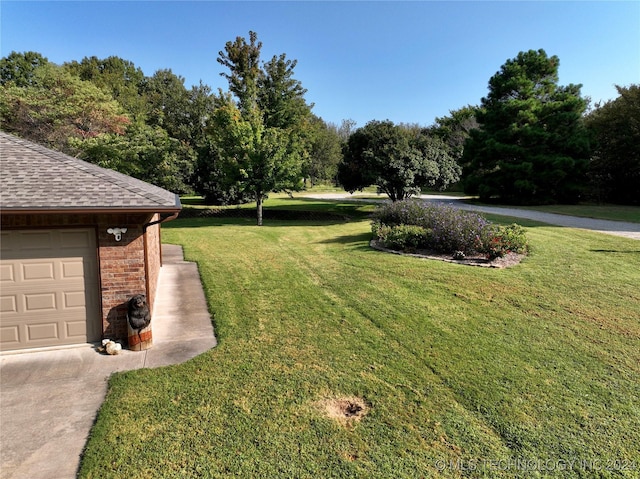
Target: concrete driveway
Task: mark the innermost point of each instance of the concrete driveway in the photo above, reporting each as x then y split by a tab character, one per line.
49	399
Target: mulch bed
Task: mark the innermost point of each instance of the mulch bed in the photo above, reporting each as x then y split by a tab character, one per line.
508	260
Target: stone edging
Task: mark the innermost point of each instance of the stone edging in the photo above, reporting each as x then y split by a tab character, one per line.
499	263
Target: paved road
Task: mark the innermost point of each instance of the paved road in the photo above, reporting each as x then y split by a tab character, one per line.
617	228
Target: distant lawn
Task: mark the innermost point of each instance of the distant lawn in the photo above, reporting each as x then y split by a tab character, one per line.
527	372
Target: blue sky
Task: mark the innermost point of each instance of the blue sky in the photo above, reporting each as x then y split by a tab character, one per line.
403	61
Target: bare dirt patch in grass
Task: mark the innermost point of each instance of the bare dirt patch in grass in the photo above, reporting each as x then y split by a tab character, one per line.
508	260
345	410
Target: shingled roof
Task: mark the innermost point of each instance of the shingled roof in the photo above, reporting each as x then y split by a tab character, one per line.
35	178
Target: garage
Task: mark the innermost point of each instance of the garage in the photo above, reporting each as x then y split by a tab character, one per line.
78	241
49	288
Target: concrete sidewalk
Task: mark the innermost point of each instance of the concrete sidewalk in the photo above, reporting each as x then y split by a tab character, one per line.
49	399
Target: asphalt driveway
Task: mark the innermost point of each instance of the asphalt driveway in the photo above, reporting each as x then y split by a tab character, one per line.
49	399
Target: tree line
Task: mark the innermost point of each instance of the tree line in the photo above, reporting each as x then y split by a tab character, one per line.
529	141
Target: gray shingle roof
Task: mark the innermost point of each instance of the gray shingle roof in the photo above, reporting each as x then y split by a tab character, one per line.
33	177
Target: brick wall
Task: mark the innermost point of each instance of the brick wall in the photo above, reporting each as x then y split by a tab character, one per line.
154	259
123	272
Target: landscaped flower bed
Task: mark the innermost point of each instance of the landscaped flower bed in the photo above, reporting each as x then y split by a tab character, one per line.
413	225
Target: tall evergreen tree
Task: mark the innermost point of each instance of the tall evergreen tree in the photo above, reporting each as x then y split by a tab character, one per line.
532	145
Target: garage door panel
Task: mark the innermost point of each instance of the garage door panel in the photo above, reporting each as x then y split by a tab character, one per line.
74	299
9	336
39	302
44	331
36	240
75	239
49	296
72	269
9	304
76	329
38	271
7	273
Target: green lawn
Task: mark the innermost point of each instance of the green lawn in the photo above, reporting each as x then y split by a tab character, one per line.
466	372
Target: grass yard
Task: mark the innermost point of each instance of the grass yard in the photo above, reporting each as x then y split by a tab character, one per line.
532	371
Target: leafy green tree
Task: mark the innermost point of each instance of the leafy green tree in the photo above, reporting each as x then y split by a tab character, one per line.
20	68
257	141
345	129
615	162
532	145
400	161
200	106
168	103
55	106
259	159
218	177
280	96
243	61
121	78
455	129
144	152
325	152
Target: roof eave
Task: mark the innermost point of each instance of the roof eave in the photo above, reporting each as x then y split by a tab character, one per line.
92	210
45	210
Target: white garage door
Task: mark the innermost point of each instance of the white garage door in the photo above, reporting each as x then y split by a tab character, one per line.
49	288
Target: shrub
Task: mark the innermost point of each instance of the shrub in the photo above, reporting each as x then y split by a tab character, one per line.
408	212
505	239
401	237
412	224
450	229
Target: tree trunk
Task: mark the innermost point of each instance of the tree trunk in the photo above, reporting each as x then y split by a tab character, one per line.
259	208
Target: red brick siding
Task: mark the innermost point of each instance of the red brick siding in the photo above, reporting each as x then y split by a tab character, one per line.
122	263
154	259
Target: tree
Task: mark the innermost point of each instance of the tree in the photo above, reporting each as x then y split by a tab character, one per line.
280	96
325	152
55	106
455	129
258	142
259	159
398	160
243	61
144	152
168	103
615	163
20	68
532	145
121	78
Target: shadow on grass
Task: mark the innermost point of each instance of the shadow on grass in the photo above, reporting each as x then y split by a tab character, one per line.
614	251
349	239
231	221
201	222
271	216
